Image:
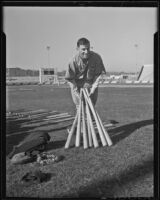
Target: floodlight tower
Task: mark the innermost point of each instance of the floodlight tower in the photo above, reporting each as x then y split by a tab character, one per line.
48	49
136	47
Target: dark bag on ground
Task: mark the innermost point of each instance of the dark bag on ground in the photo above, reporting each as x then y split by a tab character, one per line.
32	144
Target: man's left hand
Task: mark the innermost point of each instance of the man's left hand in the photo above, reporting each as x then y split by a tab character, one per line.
87	85
92	91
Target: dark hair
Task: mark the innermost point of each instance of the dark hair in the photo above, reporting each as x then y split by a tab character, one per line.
82	41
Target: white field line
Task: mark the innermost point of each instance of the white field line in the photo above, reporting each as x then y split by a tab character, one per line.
34	116
16	115
32	111
42	120
11	117
51	121
30	117
60	115
52	116
25	89
106	125
61	120
53	111
57	117
35	120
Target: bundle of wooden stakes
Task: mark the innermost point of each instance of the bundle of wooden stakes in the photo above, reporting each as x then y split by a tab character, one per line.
84	124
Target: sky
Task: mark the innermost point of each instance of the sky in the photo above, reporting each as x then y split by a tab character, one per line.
123	36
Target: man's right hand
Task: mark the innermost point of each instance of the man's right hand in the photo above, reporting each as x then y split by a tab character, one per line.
74	88
76	92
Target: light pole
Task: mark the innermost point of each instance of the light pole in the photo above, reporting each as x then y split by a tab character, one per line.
48	48
136	47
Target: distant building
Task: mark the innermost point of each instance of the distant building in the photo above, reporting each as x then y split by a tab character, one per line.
124	76
146	73
48	75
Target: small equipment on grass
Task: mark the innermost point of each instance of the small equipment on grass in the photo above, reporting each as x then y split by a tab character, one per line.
32	144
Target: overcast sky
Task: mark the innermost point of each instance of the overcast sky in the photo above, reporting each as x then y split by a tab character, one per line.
123	36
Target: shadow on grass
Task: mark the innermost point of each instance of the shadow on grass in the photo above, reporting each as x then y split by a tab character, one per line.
116	185
16	133
55	145
25	184
12	128
29	177
54	127
122	132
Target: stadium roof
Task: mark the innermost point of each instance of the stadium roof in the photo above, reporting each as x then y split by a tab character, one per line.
146	73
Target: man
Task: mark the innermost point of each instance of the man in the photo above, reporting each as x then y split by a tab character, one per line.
84	71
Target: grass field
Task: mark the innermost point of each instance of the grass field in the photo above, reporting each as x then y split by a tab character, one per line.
122	170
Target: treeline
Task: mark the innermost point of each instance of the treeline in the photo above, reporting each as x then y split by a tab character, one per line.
21	72
28	72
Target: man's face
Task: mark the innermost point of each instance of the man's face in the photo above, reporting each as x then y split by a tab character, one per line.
84	51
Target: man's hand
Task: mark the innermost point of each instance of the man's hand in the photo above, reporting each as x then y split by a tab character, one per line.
92	91
87	85
95	85
76	92
74	88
